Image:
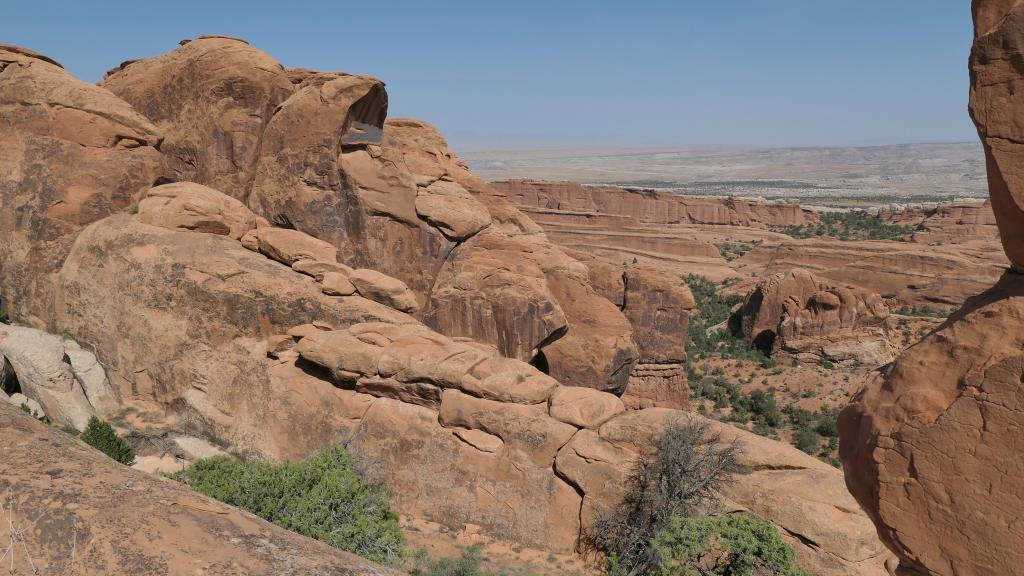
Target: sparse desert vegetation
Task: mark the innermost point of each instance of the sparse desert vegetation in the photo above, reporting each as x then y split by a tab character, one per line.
846	226
322	497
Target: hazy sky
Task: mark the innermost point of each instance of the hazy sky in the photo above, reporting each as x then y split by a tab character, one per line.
495	75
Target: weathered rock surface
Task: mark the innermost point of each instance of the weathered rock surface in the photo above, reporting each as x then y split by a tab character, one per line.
191	206
404	445
584	407
658	307
291	246
995	107
84	513
799	313
211	98
179	319
382	288
45	374
932	448
73	153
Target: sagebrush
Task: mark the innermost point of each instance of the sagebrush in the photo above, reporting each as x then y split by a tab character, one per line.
727	545
323	497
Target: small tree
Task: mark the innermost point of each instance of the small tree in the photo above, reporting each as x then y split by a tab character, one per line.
102	437
682	476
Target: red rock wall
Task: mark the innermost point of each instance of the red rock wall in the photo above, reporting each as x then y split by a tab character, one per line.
652	207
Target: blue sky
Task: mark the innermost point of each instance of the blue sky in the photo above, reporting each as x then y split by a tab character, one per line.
494	75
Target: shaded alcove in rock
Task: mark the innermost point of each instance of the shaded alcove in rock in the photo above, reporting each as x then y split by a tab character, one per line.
8	379
540	362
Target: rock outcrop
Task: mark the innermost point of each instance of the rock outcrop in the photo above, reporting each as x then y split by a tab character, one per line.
83	513
63	380
278	327
802	315
211	99
913	274
311	151
73	153
995	107
570	202
932	448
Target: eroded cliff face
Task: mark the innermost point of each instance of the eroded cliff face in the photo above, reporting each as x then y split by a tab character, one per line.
932	449
569	202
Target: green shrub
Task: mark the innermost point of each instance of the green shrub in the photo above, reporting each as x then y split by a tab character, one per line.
852	225
323	497
467	564
711	310
733	545
807	439
922	312
102	437
828	424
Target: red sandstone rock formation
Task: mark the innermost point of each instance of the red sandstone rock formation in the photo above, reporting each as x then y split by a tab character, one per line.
259	338
72	154
311	151
802	315
951	223
908	272
554	201
932	448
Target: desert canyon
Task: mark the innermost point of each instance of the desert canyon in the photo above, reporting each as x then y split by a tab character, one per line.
224	256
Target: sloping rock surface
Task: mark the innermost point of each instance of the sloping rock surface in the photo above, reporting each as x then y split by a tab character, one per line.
84	513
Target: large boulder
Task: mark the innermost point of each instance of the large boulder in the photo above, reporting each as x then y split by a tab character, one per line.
932	448
211	99
45	374
83	513
72	153
658	306
191	206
